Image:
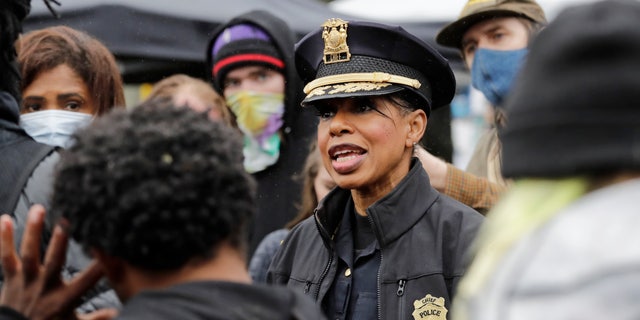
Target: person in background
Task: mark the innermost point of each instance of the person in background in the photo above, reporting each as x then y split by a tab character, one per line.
197	94
492	37
316	184
26	166
383	244
564	239
164	208
68	78
250	60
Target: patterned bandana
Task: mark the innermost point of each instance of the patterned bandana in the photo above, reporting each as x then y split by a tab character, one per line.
259	117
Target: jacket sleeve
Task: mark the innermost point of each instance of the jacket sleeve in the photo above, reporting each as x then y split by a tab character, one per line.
262	257
277	272
38	190
476	192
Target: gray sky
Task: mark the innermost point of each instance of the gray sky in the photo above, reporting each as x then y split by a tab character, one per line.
421	10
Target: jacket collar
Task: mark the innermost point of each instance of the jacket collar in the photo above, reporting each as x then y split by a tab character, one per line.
9	109
10	114
392	215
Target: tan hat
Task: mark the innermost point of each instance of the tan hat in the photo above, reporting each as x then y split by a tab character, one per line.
477	10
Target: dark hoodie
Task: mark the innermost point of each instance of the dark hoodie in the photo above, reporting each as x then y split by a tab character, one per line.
279	187
221	300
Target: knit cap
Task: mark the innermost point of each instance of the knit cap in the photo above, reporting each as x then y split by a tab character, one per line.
575	108
240	45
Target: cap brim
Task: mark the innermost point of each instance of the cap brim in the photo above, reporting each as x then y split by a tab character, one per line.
451	34
351	89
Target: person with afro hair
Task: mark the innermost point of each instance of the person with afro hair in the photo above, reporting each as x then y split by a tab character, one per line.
160	198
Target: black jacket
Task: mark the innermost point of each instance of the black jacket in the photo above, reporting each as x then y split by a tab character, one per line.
423	238
212	300
279	187
220	300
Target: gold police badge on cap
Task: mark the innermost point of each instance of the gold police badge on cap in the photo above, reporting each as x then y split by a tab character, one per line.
334	34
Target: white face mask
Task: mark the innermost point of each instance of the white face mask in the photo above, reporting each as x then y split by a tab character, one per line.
54	127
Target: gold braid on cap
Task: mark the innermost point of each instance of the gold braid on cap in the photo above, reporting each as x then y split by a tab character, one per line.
379	77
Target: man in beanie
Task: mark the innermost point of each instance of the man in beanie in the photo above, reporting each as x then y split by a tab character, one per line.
250	61
563	243
492	36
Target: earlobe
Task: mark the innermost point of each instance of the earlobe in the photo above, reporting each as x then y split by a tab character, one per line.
417	126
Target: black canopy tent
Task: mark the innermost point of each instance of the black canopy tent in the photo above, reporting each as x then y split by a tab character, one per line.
153	38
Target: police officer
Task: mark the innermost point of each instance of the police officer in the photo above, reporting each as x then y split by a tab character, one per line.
383	244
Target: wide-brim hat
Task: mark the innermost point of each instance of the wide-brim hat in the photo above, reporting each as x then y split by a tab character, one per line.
478	10
348	59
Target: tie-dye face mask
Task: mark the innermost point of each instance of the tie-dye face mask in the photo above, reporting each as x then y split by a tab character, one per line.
259	117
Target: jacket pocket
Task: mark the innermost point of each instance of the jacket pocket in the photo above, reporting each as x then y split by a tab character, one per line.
306	287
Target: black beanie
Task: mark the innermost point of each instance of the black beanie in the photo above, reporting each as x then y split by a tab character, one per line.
575	108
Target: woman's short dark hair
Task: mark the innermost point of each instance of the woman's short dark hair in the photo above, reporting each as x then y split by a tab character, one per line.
44	49
157	186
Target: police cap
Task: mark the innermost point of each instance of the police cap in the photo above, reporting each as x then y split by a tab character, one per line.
346	59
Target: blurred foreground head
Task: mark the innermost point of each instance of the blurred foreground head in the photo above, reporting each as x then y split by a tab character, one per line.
575	109
157	186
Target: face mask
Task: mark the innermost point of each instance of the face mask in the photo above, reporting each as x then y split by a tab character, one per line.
259	117
54	127
493	72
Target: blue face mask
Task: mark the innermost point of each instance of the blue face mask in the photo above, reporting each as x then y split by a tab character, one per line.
494	71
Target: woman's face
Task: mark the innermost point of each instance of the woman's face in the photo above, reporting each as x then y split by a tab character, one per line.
366	143
59	88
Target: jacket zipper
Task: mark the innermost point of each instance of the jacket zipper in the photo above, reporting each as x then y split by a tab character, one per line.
378	288
326	268
400	294
379	267
322	276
